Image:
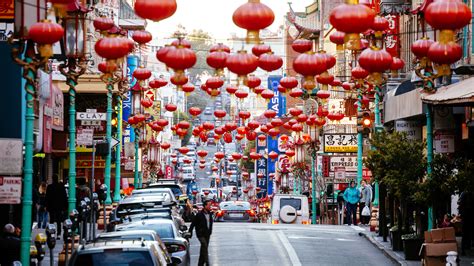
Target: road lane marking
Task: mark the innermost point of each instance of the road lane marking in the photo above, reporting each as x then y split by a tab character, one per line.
320	238
289	249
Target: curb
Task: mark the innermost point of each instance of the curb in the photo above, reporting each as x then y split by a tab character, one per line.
388	253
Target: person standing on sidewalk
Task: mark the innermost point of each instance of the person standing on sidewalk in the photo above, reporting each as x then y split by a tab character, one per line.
203	224
352	197
56	203
41	206
365	200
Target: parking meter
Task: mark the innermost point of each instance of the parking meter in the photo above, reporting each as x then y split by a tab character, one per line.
74	217
33	254
102	192
67	226
51	241
40	241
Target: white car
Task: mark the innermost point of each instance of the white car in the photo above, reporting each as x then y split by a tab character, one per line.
290	209
188	173
211	193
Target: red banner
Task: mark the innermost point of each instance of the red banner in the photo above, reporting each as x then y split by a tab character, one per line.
392	40
7	10
169	172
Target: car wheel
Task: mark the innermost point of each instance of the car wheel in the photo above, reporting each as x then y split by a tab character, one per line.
287	214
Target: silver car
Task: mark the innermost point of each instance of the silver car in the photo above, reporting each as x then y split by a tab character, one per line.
235	211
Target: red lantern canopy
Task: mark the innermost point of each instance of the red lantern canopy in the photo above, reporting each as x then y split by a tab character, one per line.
289	82
274	132
165	145
267	94
273	155
241	94
220	114
296	93
270	62
269	114
255	156
46	33
219	155
290	153
195	111
157	83
242	63
214	83
171	107
112	48
231	89
260	49
244	115
352	19
302	45
180	58
251	135
103	23
155	10
141	74
227	137
337	37
142	36
162	52
309	65
375	61
236	156
253	81
322	94
253	16
146	102
183	150
202	153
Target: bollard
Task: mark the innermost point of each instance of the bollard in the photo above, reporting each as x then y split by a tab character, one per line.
451	259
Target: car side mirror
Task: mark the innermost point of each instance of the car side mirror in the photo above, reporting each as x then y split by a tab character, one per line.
176	261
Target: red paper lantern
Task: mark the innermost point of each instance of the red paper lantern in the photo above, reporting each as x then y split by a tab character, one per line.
142	73
251	135
45	32
270	62
142	36
157	83
420	47
253	16
162	122
214	82
297	127
253	124
309	65
241	94
195	111
375	60
296	93
267	94
202	153
161	53
273	155
337	37
146	102
220	114
244	115
290	153
242	63
219	155
236	156
359	73
183	150
276	122
165	145
260	49
171	107
255	156
231	89
187	88
445	54
322	94
103	23
269	114
107	68
155	10
448	14
217	60
274	132
227	137
112	47
289	82
253	81
295	111
302	45
397	64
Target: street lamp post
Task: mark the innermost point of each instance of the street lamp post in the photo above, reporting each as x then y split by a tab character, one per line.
24	54
74	44
313	149
123	87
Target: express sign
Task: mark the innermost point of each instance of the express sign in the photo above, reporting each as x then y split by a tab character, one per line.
348	162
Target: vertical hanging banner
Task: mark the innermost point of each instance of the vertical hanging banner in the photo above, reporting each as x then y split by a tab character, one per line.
392	41
277	104
261	166
132	63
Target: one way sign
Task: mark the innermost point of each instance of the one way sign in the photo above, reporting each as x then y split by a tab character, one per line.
114	142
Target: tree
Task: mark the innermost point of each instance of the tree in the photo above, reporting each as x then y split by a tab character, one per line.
248	164
398	163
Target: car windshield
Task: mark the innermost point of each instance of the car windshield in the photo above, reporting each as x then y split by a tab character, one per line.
235	206
115	257
126	237
295	203
162	229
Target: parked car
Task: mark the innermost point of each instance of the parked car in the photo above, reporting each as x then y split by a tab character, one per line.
208	111
168	183
176	243
157	191
188	173
211	142
126	252
211	193
140	202
290	209
235	211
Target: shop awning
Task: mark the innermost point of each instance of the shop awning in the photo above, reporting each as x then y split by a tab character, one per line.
402	102
460	93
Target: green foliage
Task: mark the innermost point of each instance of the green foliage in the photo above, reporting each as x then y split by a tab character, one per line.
248	164
397	162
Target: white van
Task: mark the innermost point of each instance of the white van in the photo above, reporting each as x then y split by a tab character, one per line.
290	209
188	173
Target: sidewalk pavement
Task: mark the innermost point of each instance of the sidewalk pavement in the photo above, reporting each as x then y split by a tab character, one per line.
399	256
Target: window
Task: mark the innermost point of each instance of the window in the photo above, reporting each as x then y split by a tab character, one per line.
115	257
295	203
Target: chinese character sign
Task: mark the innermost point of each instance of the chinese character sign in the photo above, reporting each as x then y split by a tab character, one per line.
391	39
261	167
132	62
340	143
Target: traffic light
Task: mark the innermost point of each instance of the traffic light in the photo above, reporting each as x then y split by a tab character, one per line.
364	122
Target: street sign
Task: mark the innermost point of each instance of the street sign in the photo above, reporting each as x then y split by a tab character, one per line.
85	136
339	173
348	162
114	142
150	94
91	116
411	128
10	190
11	156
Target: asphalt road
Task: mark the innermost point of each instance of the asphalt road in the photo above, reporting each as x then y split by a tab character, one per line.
266	244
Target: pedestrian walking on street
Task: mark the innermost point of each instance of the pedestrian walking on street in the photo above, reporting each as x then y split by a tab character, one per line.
352	197
56	202
9	246
203	224
41	206
365	200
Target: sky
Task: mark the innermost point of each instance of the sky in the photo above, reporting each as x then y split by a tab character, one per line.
215	17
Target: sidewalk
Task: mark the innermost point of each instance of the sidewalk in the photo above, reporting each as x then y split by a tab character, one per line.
399	256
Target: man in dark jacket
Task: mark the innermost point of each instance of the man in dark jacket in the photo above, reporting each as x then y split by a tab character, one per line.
56	203
203	224
9	246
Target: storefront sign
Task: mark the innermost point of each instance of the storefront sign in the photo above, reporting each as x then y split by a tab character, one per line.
261	165
129	164
7	10
168	172
326	167
348	162
443	142
392	41
58	109
11	156
411	128
339	173
6	30
10	190
277	104
340	143
91	116
88	164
